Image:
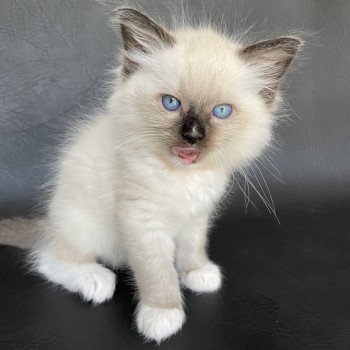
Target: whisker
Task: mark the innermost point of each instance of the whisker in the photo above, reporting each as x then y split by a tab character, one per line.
261	187
246	196
265	157
267	187
267	169
267	204
229	191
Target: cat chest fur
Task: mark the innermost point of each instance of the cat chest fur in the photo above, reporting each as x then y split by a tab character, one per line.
174	195
195	193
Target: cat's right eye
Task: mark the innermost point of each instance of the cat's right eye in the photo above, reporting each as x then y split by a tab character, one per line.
171	103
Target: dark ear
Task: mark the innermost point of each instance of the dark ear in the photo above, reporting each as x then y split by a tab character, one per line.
273	57
141	33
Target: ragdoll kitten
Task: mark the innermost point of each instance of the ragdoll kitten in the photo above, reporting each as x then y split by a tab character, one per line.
138	182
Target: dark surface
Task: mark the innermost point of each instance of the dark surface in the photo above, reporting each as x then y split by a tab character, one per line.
287	286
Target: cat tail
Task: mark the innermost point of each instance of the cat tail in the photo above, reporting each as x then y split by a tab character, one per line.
19	232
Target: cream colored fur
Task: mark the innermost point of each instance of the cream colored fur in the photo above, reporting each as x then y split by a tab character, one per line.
120	197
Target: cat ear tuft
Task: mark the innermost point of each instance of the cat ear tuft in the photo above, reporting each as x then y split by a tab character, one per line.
272	57
141	33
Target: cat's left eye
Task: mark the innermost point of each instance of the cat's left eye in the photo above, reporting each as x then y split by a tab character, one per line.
222	111
171	103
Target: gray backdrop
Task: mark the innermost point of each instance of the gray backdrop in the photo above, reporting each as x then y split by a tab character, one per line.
54	61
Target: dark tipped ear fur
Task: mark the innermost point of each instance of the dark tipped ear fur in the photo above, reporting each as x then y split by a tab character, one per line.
274	56
140	33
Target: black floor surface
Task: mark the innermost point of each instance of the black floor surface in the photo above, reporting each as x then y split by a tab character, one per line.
286	286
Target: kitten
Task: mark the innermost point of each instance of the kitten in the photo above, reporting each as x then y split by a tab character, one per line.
138	182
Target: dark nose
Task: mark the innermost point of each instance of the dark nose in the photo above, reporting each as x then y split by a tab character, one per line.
191	130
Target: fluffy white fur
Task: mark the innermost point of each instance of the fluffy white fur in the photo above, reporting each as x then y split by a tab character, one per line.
121	197
206	279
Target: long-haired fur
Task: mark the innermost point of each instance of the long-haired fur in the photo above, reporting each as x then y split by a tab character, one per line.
121	195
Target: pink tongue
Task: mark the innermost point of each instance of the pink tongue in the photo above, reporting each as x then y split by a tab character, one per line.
187	155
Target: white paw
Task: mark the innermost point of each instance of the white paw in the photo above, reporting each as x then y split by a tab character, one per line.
96	285
93	281
158	323
207	279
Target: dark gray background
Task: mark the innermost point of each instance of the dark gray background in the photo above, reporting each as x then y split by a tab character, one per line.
54	62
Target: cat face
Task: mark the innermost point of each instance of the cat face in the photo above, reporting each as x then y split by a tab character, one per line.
195	98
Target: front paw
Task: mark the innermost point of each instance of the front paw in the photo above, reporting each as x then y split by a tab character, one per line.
158	323
207	279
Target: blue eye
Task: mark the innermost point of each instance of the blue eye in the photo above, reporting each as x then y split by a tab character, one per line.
171	103
222	111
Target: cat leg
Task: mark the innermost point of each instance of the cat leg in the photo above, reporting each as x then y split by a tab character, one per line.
196	271
151	257
76	272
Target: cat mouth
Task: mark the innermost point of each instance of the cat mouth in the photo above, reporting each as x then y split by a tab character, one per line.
187	155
